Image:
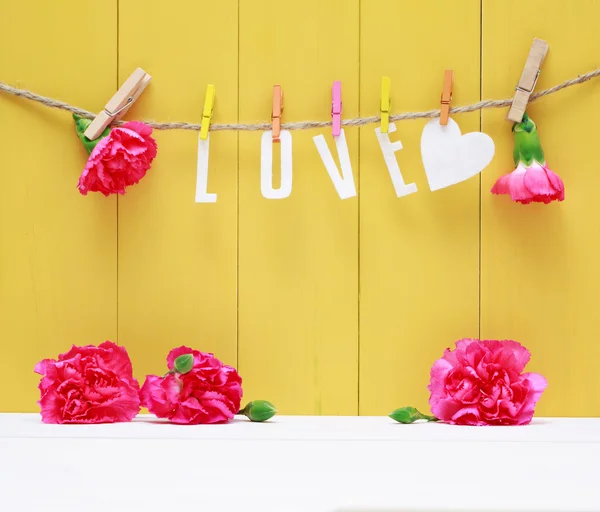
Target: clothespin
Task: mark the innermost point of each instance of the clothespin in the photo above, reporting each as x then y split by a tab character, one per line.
207	112
386	104
119	104
277	111
336	108
446	96
529	77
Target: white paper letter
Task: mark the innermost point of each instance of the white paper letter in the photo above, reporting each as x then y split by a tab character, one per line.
266	166
202	196
388	149
344	184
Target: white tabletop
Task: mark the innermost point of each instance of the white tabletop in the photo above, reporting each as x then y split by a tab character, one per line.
299	463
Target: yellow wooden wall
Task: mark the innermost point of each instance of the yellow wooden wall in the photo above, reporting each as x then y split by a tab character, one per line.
326	306
58	249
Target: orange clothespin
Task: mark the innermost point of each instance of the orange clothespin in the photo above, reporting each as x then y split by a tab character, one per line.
119	104
446	96
277	111
529	77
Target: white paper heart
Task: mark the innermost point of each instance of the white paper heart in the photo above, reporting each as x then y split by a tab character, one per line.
449	157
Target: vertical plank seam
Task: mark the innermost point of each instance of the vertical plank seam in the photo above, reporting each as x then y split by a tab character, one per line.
117	208
237	216
480	177
358	218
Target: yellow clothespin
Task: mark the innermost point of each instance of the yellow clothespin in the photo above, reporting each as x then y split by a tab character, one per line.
209	105
386	104
531	71
119	104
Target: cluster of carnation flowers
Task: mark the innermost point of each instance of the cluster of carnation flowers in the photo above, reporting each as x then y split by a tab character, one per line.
480	382
95	384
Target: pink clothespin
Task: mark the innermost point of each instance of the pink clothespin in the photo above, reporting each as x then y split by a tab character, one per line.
336	108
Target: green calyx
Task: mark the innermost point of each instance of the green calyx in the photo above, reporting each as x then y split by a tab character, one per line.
527	142
409	415
259	410
81	125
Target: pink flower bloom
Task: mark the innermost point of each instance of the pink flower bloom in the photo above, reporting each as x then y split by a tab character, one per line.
88	385
481	383
531	181
210	393
119	160
533	184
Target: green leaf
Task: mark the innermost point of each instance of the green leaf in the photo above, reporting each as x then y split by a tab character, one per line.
184	363
259	410
81	125
409	415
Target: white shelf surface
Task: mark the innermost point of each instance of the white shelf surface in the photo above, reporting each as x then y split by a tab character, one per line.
299	463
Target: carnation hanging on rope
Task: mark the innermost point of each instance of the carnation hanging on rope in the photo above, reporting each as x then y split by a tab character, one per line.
119	157
532	181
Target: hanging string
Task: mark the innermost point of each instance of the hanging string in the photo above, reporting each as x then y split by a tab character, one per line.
299	125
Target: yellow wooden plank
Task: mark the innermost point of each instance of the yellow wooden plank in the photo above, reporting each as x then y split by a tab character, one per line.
298	256
540	272
58	260
177	258
418	253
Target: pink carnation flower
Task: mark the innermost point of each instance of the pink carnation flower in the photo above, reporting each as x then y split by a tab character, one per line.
481	383
533	184
119	160
88	385
210	393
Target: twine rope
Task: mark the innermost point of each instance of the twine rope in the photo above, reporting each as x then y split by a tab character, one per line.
299	125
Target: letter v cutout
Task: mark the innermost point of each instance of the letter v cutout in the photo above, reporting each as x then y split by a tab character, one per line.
344	183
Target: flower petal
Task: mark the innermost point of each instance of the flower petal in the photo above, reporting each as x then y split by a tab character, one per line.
537	183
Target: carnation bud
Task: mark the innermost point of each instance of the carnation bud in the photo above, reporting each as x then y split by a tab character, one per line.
184	363
259	410
409	415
